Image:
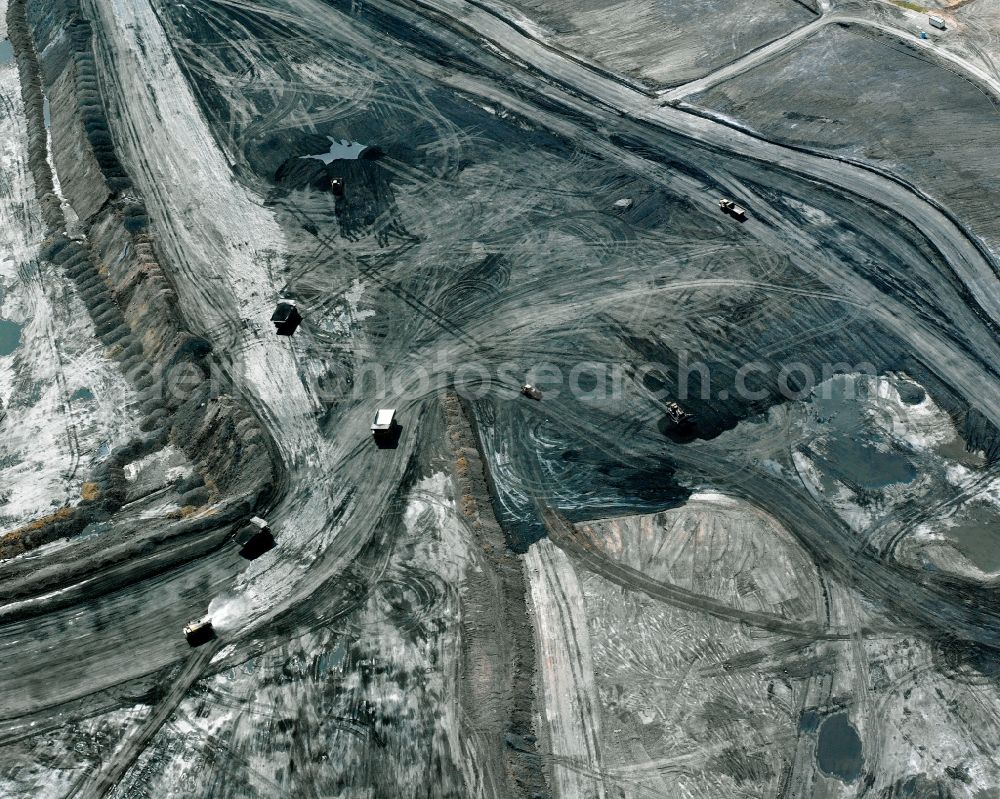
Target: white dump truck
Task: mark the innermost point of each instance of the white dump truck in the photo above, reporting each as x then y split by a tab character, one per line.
254	538
255	527
385	426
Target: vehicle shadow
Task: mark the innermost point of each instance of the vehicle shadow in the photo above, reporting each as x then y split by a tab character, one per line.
678	433
258	545
390	438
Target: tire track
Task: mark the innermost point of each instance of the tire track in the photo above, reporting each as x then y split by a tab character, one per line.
101	782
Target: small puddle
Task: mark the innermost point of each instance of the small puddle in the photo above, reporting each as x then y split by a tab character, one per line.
331	660
837	401
82	395
838	748
977	537
10	336
956	450
340	150
848	457
809	721
6	51
852	461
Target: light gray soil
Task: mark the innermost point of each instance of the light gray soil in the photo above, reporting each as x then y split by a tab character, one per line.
411	635
911	115
666	42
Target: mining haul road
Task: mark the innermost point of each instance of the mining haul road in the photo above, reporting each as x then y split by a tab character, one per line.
227	256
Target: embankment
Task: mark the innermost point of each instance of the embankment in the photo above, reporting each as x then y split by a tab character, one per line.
498	650
184	398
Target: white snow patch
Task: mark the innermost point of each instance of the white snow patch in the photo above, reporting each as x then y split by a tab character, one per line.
713	497
958	475
813	215
922	426
158	459
73	228
223	653
350	313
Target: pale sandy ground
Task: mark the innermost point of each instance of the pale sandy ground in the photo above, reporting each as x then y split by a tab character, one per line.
217	249
48	439
692	705
568	696
227	267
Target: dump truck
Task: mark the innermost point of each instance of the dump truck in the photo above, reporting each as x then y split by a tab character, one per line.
531	392
737	212
937	22
254	538
385	426
286	317
199	631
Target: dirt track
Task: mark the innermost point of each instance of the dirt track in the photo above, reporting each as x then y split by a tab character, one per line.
483	231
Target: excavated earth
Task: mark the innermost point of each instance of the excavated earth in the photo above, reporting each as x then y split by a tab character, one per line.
572	597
